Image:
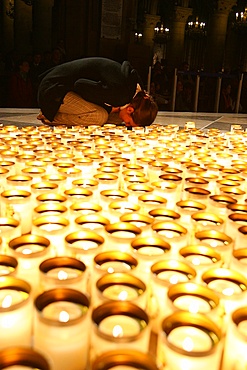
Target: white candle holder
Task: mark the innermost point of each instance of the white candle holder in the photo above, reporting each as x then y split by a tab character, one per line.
111	195
61	317
8	265
148	202
63	272
135	190
21	357
167	190
30	250
119	236
218	204
201	257
207	221
84	245
164	214
117	208
83	208
173	233
19	182
10	228
54	228
221	242
95	222
50	209
17	203
122	287
16	312
230	285
125	359
186	208
77	194
235	343
119	325
190	341
138	219
239	260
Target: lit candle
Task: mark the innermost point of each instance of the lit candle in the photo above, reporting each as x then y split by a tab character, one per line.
190	341
8	265
15	312
118	325
21	358
63	271
119	236
62	327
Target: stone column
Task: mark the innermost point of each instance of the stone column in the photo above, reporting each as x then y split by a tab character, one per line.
150	23
217	28
42	25
7	27
175	52
23	27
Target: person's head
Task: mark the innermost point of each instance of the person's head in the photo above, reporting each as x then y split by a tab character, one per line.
141	111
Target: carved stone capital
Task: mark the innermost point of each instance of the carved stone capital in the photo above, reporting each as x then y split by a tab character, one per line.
224	6
181	14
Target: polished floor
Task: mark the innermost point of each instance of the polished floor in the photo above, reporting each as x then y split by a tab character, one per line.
203	121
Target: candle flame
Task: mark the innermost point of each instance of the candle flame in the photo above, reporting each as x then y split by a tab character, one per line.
173	279
193	307
27	251
7	301
123	295
117	331
110	270
196	261
188	344
62	275
228	291
63	316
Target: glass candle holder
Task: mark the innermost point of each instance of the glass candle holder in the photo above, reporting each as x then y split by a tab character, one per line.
190	341
94	222
117	208
166	189
196	193
218	204
138	219
165	273
125	359
107	181
194	298
58	179
235	343
77	194
35	172
221	242
120	286
84	245
9	228
119	236
50	209
230	285
148	202
119	325
207	221
19	182
72	174
23	358
83	208
233	191
8	265
54	228
8	165
63	271
239	260
44	187
113	261
186	208
173	233
62	327
164	214
29	250
108	196
136	190
174	179
147	251
201	257
17	203
16	309
51	198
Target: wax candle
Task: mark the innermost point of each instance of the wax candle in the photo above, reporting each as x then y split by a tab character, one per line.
8	265
15	313
62	327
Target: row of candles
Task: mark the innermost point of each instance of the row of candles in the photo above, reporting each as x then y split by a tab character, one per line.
123	249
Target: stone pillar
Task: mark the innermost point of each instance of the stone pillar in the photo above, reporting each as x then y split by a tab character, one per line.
7	27
42	25
23	27
175	52
217	28
148	33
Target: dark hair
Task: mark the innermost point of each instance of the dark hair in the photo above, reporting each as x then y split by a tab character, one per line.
145	109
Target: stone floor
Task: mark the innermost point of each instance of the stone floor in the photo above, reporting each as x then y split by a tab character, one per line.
203	121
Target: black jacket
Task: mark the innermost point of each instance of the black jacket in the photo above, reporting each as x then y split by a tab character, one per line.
97	80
